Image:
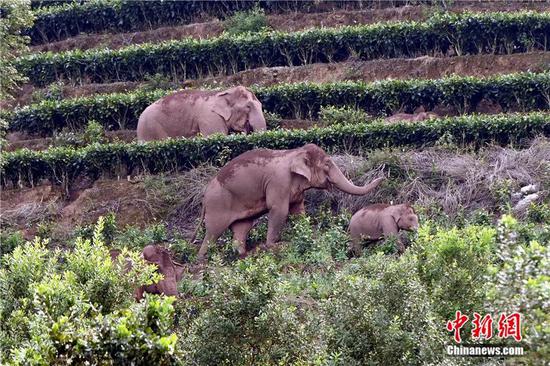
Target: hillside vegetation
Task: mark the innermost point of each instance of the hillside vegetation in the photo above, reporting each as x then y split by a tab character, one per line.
477	176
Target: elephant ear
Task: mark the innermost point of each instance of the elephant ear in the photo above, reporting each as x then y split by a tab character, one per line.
300	166
222	107
398	214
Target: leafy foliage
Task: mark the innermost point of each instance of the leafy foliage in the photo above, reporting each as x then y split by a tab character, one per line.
251	21
340	115
453	264
496	33
62	165
372	315
247	320
15	16
64	20
77	307
520	281
521	91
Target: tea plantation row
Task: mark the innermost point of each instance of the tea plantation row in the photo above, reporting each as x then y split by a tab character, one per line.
462	34
521	91
62	165
55	23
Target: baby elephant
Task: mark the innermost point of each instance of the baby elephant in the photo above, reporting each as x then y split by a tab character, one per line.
171	270
378	221
406	117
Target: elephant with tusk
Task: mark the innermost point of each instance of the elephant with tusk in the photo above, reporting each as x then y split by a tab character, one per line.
188	113
267	181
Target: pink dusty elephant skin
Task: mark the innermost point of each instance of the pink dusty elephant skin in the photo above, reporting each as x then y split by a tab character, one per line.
378	221
268	181
188	113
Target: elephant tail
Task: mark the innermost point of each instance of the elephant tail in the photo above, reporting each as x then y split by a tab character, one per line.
198	225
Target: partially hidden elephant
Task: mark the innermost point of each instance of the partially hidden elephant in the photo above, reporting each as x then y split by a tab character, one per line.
188	113
379	221
267	181
407	117
171	270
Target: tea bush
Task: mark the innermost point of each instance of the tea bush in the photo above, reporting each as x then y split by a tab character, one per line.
64	20
465	33
77	307
251	21
337	115
521	92
453	264
519	281
249	319
379	313
62	165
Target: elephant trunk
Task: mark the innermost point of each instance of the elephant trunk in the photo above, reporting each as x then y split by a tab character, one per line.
337	178
256	120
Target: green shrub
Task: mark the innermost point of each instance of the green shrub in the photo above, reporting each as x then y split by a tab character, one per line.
539	213
61	165
373	315
522	91
519	282
9	241
53	92
300	235
136	238
156	82
340	115
77	307
466	33
248	319
273	120
64	20
453	264
93	133
251	21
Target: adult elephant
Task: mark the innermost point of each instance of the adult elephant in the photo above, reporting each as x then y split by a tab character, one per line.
188	113
267	181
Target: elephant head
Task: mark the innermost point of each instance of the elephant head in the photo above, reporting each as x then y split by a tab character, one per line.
405	217
171	271
240	109
313	164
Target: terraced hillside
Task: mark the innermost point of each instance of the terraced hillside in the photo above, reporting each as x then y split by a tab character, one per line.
326	72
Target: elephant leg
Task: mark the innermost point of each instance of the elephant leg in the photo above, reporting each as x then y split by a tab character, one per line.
278	214
240	232
297	208
213	231
356	247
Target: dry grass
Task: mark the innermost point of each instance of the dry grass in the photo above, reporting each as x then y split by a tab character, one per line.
179	198
28	213
453	181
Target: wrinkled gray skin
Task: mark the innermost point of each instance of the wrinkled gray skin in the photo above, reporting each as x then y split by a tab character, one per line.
268	181
188	113
406	117
172	271
379	221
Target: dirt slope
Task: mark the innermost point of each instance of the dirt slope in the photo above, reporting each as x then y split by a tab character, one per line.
418	68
